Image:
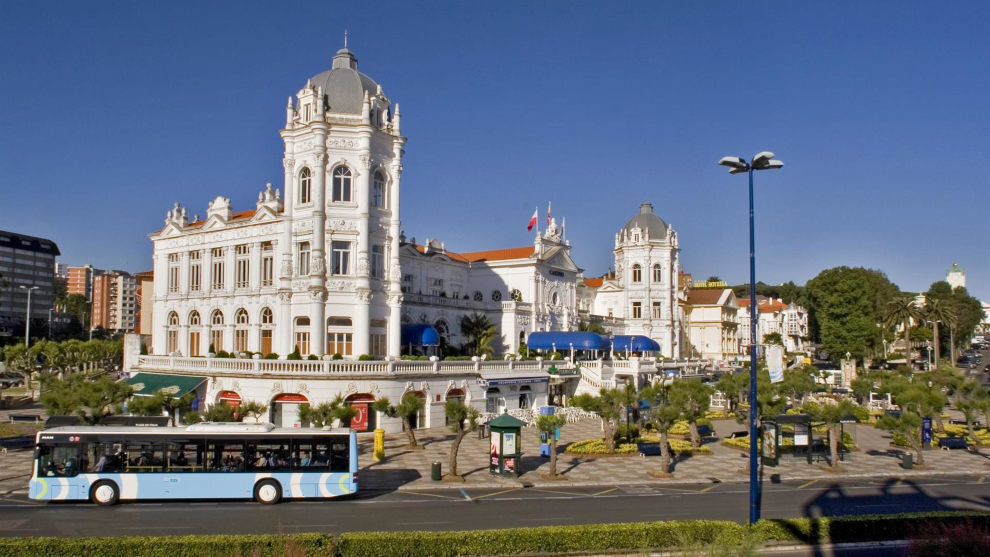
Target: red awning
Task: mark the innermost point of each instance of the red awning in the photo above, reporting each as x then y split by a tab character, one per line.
229	395
290	398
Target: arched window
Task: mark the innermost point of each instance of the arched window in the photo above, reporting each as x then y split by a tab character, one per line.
241	332
217	317
172	335
305	186
378	192
342	184
516	295
302	336
478	296
657	273
637	273
496	295
267	325
241	317
216	332
194	334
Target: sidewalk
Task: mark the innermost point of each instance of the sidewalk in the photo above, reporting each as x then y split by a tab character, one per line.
409	469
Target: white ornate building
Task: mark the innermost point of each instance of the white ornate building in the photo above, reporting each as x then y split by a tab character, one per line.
322	267
642	294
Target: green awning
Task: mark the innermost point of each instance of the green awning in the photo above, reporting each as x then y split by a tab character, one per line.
147	384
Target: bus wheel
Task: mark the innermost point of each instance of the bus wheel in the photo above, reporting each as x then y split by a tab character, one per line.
104	493
268	492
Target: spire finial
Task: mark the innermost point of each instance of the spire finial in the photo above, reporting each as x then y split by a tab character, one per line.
345	38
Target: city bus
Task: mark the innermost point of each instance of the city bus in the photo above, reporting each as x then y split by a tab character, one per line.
107	464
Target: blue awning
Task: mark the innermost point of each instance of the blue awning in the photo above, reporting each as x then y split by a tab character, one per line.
562	340
420	334
634	343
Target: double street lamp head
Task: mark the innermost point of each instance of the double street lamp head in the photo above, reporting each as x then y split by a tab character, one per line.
762	161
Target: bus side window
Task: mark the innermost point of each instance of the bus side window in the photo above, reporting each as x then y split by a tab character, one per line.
339	456
61	460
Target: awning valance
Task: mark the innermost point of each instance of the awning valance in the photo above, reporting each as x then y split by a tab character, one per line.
147	384
420	334
634	343
565	340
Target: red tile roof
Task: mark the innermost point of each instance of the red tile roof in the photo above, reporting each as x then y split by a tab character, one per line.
704	296
498	254
594	282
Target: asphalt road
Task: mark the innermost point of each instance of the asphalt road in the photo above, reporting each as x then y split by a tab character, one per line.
489	508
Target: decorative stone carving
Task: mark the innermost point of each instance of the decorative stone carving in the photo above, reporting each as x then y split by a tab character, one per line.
302	226
303	388
395	300
341	143
363	295
284	296
340	285
362	265
288	163
365	162
320	158
319	264
277	387
350	390
318	295
374	389
341	225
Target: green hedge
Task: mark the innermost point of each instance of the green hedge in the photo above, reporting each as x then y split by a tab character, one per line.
174	546
709	535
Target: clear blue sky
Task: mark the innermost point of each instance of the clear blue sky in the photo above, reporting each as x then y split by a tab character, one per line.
112	111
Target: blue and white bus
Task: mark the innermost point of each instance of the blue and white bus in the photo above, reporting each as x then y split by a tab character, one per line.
107	464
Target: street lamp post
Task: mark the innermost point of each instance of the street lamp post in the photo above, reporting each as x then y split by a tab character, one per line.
27	320
737	165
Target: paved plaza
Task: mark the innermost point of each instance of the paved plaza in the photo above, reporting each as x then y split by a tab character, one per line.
409	469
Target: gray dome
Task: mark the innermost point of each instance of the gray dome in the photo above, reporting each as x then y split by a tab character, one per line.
647	220
343	85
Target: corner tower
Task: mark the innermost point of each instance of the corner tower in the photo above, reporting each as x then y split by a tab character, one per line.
339	277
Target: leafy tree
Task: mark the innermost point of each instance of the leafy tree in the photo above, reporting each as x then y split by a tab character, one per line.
162	402
463	419
215	413
773	338
609	405
692	398
734	387
916	401
20	360
592	327
90	399
966	313
477	329
549	425
78	307
253	409
937	311
844	306
408	409
663	415
798	383
325	413
832	414
971	398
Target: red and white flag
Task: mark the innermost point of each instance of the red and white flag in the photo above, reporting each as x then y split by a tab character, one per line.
532	220
548	213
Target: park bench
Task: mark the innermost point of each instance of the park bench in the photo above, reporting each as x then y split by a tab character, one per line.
976	423
948	443
25	418
647	448
738	434
21	442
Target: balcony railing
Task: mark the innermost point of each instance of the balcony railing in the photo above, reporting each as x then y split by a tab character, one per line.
338	368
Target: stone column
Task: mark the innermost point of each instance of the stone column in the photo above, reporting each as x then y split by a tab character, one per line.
362	293
206	273
318	265
255	275
282	340
394	269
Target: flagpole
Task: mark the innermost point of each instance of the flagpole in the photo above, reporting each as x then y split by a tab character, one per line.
537	220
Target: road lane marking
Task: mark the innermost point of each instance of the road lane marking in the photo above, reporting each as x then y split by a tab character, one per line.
979	481
415	493
707	489
466	496
498	492
560	492
899	481
804	485
610	490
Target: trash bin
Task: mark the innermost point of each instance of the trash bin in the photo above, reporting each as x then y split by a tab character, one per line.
435	472
907	461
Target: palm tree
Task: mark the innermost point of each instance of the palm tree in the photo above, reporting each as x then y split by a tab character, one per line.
474	328
253	409
901	310
936	311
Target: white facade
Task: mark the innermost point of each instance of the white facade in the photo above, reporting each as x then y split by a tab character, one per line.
642	295
318	270
956	277
789	320
712	324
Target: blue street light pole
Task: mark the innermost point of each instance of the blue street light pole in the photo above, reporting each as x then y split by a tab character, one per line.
737	165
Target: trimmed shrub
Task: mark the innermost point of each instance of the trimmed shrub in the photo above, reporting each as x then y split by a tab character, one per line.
597	447
626	432
365	358
312	357
173	546
271	356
